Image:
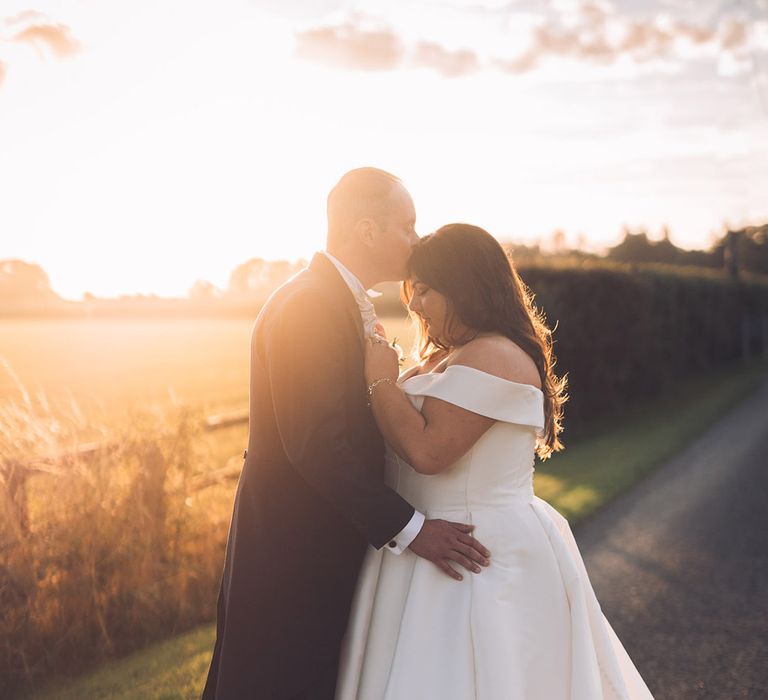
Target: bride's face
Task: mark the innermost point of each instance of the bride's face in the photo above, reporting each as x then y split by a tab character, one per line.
431	306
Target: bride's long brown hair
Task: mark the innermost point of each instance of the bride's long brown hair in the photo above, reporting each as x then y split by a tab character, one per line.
469	267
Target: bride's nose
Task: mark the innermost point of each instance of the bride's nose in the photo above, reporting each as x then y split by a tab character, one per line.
413	303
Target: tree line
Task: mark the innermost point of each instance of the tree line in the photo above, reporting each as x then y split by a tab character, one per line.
25	287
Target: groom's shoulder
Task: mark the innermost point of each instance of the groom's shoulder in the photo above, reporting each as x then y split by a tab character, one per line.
301	294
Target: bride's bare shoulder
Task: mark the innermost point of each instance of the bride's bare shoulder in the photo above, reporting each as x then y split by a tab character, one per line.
500	356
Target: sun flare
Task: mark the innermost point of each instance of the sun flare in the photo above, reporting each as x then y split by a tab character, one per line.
146	148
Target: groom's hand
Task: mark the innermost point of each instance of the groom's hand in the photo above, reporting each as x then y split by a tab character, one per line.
441	541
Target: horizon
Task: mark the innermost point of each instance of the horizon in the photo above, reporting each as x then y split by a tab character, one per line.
147	148
546	247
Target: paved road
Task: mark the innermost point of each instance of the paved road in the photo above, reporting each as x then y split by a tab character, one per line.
680	564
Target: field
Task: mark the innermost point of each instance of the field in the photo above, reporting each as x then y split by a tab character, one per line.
124	546
110	365
110	370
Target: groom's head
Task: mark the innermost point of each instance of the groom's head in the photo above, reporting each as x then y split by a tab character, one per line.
371	223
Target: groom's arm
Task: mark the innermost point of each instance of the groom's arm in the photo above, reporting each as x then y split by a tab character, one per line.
307	374
403	539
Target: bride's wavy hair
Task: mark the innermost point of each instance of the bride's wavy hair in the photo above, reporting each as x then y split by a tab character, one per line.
469	267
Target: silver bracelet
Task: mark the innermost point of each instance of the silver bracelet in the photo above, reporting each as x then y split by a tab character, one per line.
374	384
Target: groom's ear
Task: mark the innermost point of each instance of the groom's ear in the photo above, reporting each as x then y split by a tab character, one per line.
365	232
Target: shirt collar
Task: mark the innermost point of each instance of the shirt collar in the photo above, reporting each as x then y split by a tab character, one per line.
351	280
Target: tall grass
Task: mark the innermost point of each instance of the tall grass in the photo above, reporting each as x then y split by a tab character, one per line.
106	550
110	548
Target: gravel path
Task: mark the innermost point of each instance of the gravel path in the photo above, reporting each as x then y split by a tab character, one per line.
680	564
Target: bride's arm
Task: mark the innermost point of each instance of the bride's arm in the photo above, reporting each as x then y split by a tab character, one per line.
430	440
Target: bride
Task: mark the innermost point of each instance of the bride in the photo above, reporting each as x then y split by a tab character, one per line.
463	429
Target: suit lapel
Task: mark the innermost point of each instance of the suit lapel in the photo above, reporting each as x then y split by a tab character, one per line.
322	268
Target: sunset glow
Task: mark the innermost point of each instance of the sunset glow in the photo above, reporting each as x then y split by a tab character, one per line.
146	146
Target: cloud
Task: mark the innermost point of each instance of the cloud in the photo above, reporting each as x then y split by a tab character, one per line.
38	31
596	34
451	64
350	46
734	35
587	31
356	47
644	40
26	17
56	37
521	64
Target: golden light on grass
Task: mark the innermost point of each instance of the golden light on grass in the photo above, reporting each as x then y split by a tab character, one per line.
104	548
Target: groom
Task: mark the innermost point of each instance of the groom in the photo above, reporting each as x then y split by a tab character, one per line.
311	495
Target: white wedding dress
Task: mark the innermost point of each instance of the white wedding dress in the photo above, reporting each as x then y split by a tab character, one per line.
528	627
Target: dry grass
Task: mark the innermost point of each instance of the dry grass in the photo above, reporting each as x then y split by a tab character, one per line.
109	549
113	548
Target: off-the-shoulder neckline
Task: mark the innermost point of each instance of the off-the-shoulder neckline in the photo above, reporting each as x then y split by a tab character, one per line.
473	369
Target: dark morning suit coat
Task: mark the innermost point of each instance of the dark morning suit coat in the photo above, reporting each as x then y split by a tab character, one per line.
311	497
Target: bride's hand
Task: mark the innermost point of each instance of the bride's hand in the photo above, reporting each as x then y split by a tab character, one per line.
381	360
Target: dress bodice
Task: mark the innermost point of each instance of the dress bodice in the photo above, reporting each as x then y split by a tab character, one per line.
498	469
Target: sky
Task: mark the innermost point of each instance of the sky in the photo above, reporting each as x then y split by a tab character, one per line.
144	146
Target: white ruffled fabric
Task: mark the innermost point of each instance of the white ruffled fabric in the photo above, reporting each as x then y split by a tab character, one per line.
529	627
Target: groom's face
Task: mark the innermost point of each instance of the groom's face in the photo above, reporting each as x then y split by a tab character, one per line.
396	235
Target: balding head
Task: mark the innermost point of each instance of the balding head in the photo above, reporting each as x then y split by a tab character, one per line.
363	193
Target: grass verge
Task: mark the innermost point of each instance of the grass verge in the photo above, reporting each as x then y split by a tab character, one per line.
623	450
577	482
170	670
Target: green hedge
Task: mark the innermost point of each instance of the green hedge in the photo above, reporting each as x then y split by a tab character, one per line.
627	333
624	335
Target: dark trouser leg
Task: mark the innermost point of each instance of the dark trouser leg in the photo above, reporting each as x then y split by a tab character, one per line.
209	692
322	688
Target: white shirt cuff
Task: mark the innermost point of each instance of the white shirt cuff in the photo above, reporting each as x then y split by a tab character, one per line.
399	543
